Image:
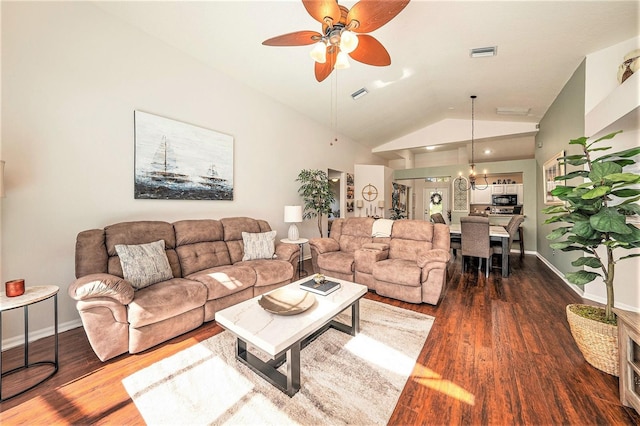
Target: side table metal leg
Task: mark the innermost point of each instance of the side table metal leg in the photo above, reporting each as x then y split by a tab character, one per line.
26	335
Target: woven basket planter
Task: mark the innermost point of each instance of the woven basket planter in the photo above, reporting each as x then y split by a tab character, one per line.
597	341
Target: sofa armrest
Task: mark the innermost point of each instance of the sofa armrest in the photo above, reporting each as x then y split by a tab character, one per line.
102	285
324	245
376	246
433	259
287	251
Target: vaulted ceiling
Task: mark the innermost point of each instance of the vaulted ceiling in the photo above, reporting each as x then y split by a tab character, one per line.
431	76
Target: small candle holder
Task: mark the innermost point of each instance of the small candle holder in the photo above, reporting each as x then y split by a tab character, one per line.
14	288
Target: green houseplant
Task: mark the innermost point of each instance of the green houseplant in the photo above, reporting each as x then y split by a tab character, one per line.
316	193
595	214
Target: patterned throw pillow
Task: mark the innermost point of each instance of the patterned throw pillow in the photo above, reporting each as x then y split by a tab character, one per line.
259	246
144	264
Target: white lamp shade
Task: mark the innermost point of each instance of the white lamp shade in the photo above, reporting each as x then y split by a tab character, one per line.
359	204
292	214
319	52
381	204
342	61
348	41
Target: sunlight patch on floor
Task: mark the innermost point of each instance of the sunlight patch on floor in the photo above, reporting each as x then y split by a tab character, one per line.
431	379
380	354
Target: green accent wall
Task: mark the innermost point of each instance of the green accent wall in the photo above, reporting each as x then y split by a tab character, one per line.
563	121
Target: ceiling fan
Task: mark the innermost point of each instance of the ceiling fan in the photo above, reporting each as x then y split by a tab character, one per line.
338	38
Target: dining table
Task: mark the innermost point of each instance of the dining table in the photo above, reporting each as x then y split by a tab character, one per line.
496	233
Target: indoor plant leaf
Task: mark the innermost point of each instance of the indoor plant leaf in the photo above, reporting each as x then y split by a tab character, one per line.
596	192
609	220
600	170
592	262
581	277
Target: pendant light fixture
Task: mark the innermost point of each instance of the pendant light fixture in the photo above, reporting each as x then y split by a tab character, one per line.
472	172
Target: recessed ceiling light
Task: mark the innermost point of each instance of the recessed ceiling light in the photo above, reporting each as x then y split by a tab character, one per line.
359	93
487	151
483	52
512	111
430	148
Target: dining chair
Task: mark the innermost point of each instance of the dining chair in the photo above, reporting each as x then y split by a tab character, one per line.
475	240
437	218
512	229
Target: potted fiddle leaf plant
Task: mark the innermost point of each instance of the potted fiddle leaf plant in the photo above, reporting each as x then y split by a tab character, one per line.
316	193
596	221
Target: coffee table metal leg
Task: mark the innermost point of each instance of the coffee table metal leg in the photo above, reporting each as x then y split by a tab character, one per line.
293	369
289	383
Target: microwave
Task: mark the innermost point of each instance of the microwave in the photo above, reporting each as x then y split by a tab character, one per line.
504	200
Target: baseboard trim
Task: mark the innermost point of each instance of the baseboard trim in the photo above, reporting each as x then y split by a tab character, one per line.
581	291
15	341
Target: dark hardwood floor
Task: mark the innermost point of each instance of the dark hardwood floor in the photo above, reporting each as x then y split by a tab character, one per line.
499	353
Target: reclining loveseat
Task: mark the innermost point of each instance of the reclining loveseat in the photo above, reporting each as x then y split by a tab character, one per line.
408	263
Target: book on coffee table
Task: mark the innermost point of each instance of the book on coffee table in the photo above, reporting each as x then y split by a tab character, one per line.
323	288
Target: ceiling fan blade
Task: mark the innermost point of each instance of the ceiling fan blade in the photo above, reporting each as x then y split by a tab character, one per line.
320	9
372	14
371	52
324	70
298	38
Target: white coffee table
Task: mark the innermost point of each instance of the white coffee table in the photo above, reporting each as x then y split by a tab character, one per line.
281	337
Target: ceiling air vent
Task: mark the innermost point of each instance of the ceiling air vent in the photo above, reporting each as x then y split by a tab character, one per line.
359	93
483	52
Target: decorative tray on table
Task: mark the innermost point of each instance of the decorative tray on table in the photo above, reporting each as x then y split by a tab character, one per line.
287	301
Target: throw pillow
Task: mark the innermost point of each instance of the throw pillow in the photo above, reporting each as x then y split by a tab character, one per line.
144	264
259	246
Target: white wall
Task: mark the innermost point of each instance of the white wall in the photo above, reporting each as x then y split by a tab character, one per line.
72	76
602	90
381	178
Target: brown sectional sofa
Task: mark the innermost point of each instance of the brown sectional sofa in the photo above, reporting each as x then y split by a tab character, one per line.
410	264
209	274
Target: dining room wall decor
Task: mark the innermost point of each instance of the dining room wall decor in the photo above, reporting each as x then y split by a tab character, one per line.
550	170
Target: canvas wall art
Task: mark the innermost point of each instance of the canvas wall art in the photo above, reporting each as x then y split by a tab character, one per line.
179	161
550	170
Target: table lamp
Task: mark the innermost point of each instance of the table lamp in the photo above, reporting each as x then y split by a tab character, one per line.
381	207
359	205
293	215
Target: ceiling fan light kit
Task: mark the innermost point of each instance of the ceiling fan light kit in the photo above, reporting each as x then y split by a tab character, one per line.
343	34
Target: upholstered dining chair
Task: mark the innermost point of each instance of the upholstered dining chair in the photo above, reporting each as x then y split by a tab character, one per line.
512	229
475	240
437	218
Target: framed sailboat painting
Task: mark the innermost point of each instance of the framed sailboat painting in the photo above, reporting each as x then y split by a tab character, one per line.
179	161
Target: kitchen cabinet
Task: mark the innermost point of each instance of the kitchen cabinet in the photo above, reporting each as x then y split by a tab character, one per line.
507	188
520	192
481	196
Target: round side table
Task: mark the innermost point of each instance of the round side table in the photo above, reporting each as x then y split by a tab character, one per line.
31	295
301	242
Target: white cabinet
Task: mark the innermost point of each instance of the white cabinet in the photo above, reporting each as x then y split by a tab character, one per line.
520	192
481	196
507	188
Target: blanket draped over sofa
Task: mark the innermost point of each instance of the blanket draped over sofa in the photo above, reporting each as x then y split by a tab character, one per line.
409	263
208	274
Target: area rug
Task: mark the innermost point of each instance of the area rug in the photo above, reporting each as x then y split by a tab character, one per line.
344	379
